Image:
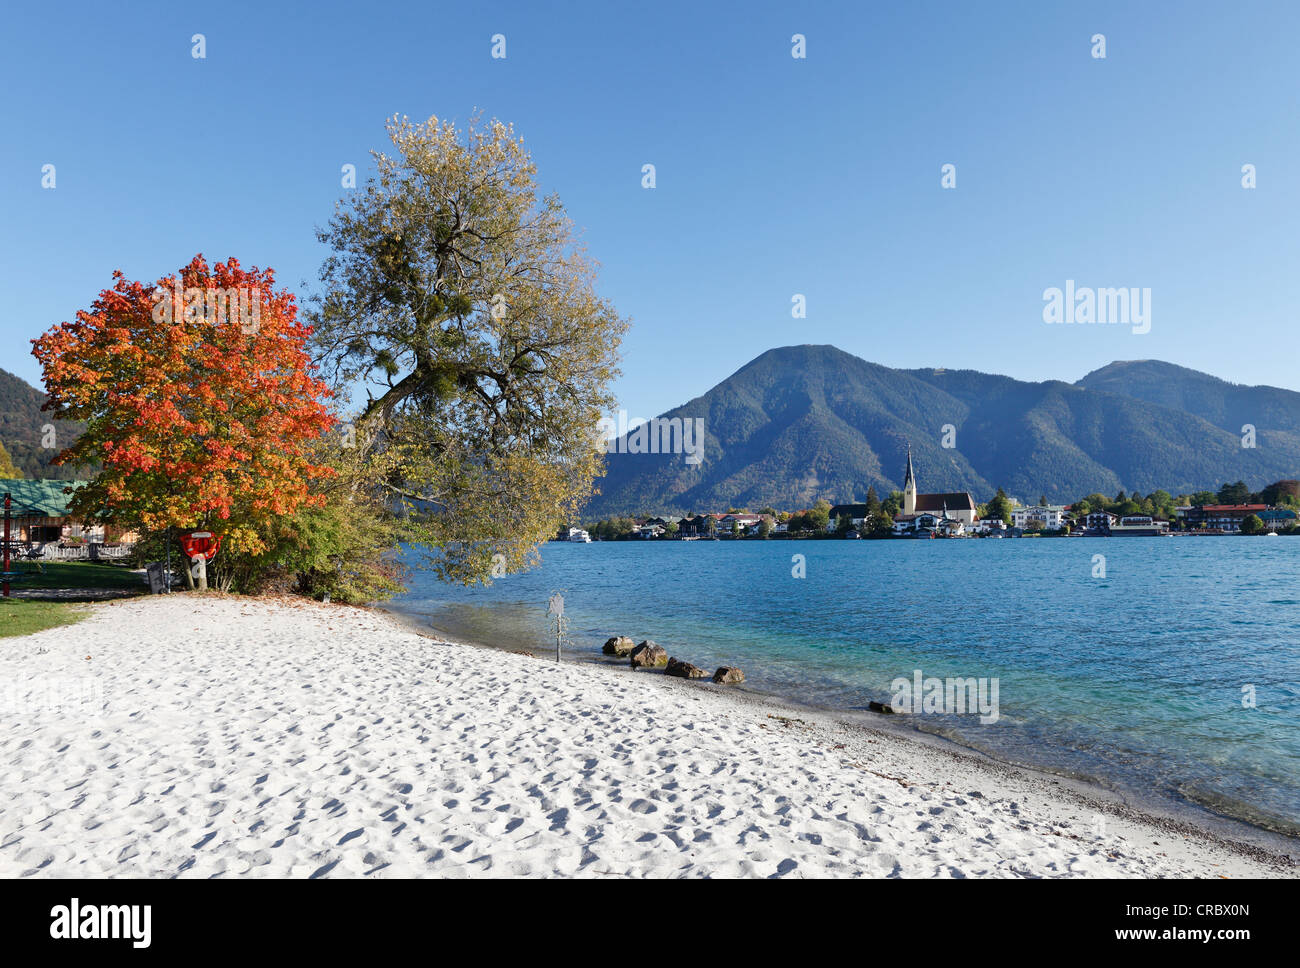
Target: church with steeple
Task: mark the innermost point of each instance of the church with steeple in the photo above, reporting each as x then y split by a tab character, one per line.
955	505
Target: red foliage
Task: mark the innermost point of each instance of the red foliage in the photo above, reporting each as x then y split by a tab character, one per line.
199	412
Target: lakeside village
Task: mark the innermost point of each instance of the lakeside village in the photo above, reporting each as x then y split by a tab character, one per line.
1232	510
41	526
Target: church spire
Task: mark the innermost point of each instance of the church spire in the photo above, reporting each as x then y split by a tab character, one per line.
909	486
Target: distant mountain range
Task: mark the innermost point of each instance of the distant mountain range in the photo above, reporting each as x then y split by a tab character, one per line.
804	422
21	421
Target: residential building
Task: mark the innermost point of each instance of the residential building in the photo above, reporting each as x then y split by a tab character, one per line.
727	522
1050	517
697	526
1221	517
1100	520
1277	518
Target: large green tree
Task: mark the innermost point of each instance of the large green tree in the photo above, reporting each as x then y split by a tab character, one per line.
999	509
1238	493
462	299
1281	492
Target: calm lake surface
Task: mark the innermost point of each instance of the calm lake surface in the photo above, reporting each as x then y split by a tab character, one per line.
1133	680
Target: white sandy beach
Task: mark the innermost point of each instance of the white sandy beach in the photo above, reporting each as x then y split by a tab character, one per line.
221	736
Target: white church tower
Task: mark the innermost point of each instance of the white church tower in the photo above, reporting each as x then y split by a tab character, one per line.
909	486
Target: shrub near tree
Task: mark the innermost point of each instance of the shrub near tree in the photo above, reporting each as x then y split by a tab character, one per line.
893	505
7	468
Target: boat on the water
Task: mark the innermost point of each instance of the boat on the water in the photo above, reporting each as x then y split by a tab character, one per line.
1138	526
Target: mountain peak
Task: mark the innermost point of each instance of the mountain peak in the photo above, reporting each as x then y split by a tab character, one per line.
1144	369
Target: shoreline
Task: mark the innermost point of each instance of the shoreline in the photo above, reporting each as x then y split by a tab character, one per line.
202	736
1187	817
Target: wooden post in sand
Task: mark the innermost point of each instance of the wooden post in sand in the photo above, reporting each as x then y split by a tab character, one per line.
201	571
557	609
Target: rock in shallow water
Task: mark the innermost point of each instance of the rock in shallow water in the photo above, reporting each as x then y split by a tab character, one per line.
649	655
728	674
619	645
684	669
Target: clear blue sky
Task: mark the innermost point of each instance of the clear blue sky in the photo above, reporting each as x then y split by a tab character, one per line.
775	176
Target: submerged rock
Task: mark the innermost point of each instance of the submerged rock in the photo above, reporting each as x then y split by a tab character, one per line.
881	707
619	645
649	655
728	675
684	670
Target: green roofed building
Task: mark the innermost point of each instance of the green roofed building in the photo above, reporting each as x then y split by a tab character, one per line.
1278	517
38	509
42	494
39	515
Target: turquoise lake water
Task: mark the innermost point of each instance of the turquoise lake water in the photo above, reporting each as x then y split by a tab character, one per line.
1134	680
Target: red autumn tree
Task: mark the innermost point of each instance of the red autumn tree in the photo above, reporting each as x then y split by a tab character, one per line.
199	402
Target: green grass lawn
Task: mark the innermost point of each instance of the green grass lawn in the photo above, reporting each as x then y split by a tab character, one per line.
78	574
20	616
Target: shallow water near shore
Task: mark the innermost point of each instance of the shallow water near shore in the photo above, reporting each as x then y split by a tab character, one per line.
1133	681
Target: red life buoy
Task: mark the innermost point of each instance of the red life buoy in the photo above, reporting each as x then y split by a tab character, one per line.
203	543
